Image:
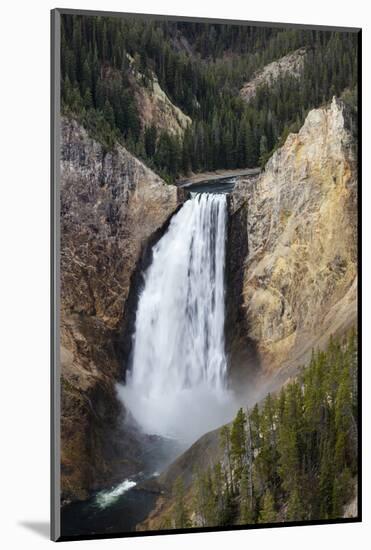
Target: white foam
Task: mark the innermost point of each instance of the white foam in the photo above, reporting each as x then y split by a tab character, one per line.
108	497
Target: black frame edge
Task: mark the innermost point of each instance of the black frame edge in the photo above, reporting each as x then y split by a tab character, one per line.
191	19
193	530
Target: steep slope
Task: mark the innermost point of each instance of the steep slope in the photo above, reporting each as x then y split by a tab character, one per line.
112	208
282	448
291	64
154	106
203	454
300	274
156	109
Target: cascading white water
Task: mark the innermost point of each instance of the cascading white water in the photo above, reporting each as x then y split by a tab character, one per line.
177	386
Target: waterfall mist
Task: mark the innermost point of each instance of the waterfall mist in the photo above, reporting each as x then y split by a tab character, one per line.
177	386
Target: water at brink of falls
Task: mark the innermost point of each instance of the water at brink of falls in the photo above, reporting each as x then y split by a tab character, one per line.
177	386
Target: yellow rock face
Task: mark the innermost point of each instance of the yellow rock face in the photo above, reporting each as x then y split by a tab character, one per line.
300	273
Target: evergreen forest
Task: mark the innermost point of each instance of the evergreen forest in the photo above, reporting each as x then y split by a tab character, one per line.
201	67
293	458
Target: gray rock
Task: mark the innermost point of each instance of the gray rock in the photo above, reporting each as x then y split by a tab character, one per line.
112	205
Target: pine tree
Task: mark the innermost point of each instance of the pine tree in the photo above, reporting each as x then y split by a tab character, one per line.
238	444
267	513
225	443
218	488
251	154
150	138
108	113
263	149
342	492
246	509
295	510
181	516
88	100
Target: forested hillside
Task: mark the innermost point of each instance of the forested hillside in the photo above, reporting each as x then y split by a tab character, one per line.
291	459
201	67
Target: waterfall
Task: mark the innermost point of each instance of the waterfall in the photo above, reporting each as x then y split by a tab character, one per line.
177	386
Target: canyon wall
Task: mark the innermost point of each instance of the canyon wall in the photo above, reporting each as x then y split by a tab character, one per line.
112	209
300	273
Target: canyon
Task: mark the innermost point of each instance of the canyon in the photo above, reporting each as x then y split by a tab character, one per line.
296	286
291	282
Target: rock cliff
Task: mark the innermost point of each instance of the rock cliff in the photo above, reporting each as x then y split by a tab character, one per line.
154	106
291	64
300	273
112	208
156	109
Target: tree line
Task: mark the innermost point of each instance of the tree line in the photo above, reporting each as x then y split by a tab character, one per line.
294	458
201	67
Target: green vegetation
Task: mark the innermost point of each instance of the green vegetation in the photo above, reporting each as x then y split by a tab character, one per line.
201	67
295	457
181	519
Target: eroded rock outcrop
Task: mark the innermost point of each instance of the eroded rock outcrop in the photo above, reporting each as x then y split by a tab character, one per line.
300	274
291	64
154	106
112	206
156	109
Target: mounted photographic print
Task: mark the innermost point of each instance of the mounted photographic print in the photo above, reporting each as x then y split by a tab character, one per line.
204	275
